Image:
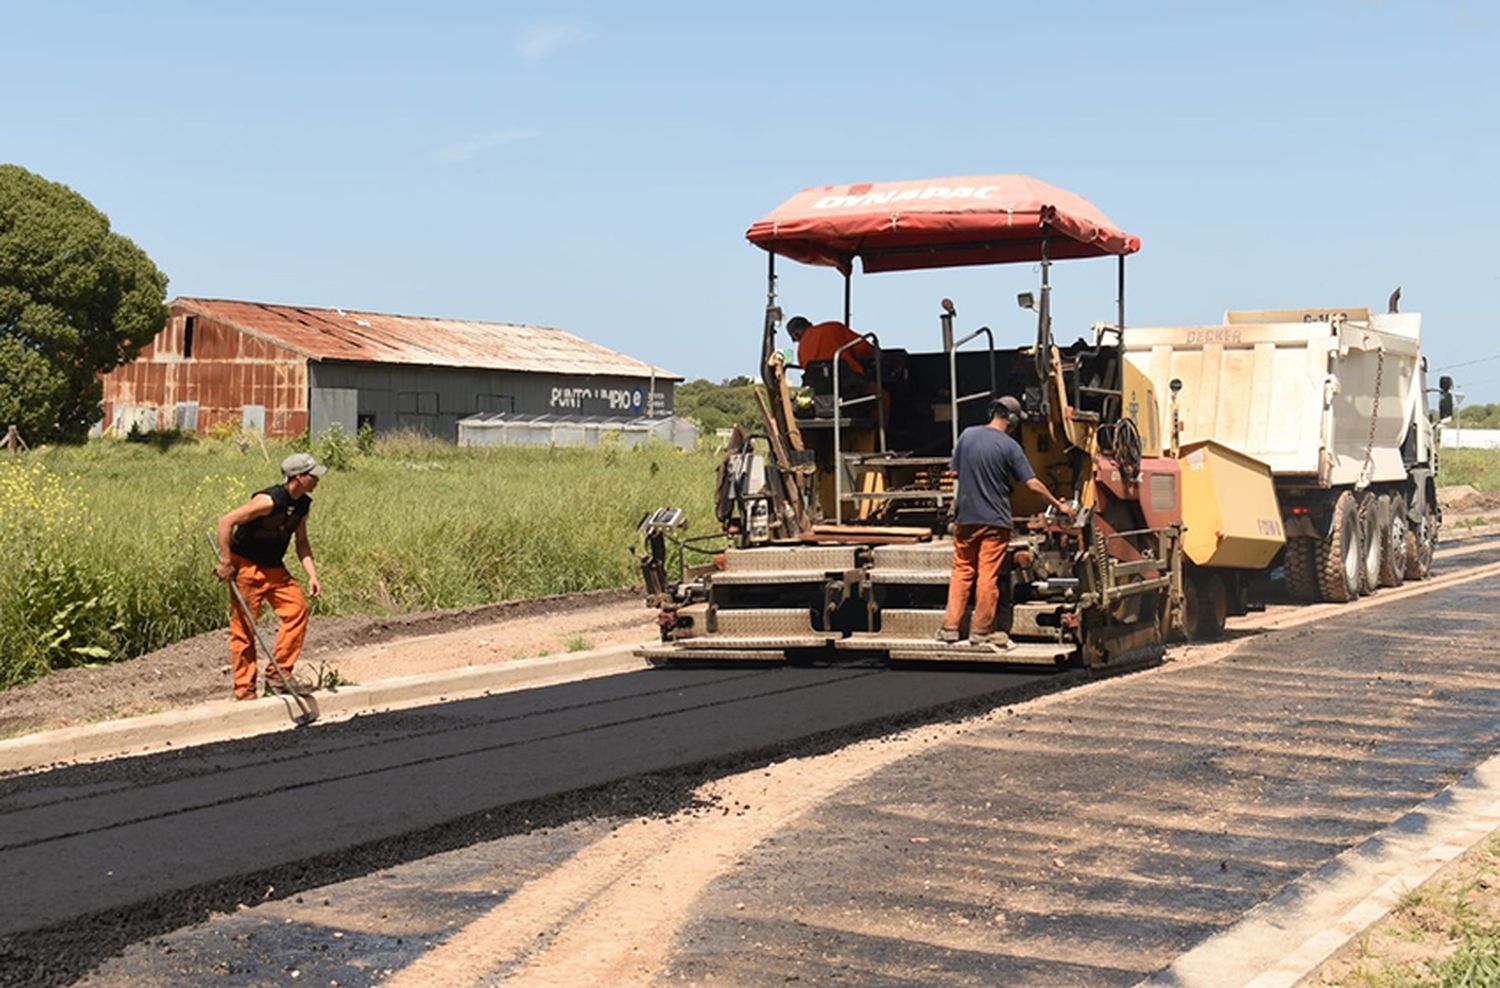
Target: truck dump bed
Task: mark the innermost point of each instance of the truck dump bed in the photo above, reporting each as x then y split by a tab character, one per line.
1299	389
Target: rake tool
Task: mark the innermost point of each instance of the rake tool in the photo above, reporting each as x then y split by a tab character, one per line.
307	713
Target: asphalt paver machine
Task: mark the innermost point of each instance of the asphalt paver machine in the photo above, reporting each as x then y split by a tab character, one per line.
836	508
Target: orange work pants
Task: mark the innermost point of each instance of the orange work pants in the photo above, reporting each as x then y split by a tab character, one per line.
978	551
262	585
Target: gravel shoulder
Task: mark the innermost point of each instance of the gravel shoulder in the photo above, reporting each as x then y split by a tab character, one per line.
1444	931
360	649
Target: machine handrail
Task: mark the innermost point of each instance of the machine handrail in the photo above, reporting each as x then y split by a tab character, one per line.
838	406
953	397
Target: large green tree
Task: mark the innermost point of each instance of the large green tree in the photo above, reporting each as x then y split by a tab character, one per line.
75	301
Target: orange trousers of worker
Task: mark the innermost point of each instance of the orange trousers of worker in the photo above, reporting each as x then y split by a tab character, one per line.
263	585
978	551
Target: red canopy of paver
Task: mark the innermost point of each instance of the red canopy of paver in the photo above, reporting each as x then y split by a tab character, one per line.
938	223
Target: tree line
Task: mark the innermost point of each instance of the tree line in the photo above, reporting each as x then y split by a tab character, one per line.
1476	417
718	406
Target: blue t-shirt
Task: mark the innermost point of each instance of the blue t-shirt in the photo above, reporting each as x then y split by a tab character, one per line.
989	464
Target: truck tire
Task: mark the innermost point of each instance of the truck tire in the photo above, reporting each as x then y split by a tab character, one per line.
1299	563
1421	538
1393	562
1372	526
1340	557
1205	602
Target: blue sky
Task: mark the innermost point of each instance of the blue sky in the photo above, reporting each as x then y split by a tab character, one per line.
594	166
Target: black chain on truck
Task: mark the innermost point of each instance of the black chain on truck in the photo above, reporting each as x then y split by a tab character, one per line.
1369	464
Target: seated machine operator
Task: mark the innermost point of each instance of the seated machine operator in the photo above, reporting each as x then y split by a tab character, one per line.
818	343
816	346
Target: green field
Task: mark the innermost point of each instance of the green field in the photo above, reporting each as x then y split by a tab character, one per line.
103	554
1479	468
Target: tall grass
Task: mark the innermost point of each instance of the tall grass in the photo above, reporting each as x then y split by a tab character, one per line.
103	555
1478	467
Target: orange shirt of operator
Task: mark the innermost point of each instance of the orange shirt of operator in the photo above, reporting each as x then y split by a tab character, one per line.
822	340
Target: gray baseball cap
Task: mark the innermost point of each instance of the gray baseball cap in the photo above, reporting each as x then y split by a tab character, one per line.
1005	405
299	463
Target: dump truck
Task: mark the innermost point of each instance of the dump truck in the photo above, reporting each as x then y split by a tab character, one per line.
835	510
1333	403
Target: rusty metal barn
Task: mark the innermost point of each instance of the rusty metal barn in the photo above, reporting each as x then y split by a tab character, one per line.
286	369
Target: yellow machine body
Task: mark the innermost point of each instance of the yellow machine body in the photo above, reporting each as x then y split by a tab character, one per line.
1229	506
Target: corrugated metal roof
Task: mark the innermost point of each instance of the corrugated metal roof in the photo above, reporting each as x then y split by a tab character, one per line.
346	334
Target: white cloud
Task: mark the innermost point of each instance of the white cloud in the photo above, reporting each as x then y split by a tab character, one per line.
537	43
464	150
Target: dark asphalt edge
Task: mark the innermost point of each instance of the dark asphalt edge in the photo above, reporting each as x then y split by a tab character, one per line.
62	953
224	720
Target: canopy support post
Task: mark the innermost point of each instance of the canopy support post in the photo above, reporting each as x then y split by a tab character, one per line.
1120	298
771	375
839	404
772	320
1044	330
847	312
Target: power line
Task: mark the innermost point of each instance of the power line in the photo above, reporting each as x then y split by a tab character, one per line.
1470	363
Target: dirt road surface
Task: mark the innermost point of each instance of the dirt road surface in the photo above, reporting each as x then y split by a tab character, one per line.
721	828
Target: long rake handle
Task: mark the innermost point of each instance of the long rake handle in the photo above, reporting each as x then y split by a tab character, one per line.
255	629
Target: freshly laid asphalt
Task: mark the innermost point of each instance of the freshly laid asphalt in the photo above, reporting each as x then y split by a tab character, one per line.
93	857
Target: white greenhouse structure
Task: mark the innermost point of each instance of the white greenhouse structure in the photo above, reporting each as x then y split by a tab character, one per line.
512	429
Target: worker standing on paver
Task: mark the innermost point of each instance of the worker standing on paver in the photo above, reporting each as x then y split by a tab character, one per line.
253	541
989	463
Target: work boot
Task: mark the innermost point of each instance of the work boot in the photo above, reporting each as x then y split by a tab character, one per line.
994	639
948	636
297	683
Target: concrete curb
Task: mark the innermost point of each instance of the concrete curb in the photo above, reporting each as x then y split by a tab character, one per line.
1284	939
221	720
1468	532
